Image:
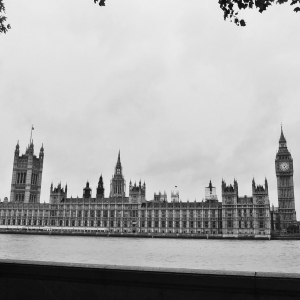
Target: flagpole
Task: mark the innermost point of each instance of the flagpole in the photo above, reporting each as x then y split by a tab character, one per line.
31	134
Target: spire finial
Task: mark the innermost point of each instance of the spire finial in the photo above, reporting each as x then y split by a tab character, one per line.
282	138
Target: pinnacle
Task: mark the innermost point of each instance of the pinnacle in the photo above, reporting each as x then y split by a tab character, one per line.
282	138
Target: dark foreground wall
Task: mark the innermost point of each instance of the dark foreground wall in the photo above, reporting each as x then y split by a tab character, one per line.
44	280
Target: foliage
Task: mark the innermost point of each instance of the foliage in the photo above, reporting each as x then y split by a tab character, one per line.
231	8
3	26
101	2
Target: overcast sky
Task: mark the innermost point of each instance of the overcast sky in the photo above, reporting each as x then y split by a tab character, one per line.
185	96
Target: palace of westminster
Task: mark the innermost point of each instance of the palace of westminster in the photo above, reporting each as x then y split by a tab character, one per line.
234	216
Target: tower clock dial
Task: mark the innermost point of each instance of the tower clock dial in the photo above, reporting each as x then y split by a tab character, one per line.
284	166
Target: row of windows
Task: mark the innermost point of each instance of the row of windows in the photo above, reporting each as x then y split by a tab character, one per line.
127	224
21	177
34	178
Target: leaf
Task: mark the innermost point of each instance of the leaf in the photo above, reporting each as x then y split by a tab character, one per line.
297	9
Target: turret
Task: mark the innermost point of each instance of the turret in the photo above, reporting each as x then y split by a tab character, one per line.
87	191
253	185
100	189
57	194
236	188
17	151
41	155
266	186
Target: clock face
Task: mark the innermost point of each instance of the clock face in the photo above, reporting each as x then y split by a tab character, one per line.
284	166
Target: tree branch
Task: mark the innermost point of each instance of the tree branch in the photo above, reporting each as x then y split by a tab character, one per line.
3	26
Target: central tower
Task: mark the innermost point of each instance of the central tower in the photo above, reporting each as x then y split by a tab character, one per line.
117	184
285	184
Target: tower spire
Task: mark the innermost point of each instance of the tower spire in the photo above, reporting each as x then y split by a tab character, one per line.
282	138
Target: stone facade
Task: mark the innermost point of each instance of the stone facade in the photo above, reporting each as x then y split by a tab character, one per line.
285	187
234	216
245	215
137	193
27	175
118	215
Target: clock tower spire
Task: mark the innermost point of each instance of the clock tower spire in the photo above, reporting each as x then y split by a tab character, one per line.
285	184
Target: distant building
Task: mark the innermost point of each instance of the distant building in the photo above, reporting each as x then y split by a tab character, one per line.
174	196
285	215
137	193
58	194
210	193
160	197
27	175
234	216
245	215
118	185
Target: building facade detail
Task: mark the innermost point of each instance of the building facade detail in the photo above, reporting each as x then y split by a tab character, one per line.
285	186
248	216
58	194
118	185
234	216
100	189
27	175
137	193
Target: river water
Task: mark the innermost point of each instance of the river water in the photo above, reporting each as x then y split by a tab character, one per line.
238	255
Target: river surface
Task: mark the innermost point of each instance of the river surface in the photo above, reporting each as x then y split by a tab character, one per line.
238	255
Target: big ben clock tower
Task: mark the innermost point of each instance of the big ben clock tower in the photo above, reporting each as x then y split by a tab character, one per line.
285	184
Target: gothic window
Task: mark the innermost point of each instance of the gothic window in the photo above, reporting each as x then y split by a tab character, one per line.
261	224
